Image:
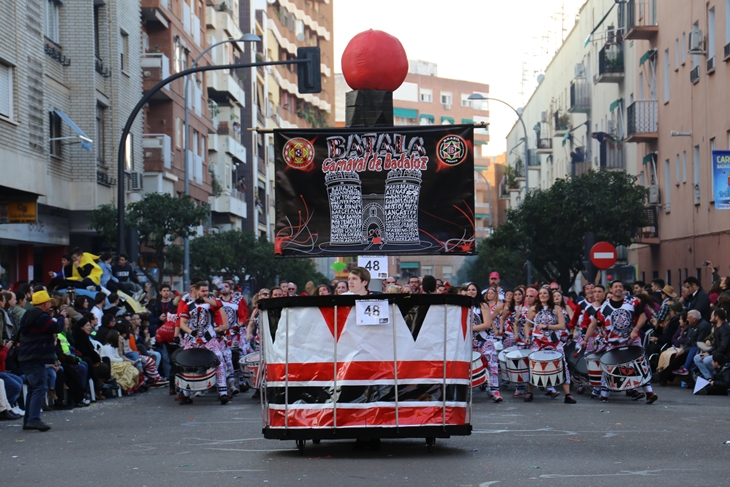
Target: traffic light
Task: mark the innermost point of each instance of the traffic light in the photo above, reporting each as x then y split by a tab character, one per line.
309	77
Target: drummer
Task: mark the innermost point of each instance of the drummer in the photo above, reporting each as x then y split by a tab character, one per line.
513	325
235	311
596	342
621	320
200	322
548	321
482	341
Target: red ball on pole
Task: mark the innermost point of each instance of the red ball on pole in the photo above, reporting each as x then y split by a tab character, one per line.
374	60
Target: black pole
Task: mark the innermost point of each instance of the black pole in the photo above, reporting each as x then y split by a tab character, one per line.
121	247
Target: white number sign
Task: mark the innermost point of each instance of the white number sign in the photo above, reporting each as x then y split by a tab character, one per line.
376	264
372	312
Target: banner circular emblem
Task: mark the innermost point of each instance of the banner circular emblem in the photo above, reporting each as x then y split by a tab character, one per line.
452	150
298	153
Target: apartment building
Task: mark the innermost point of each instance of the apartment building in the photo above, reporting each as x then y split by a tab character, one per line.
69	77
684	119
283	25
173	36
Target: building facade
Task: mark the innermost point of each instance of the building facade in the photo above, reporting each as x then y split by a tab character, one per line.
70	75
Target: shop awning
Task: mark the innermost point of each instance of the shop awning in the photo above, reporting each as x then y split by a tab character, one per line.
588	40
448	120
410	265
405	112
86	142
467	121
615	104
429	117
480	142
650	157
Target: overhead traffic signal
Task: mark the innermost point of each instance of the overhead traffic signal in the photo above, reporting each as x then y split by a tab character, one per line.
309	76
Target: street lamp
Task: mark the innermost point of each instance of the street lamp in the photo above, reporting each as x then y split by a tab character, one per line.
186	242
480	97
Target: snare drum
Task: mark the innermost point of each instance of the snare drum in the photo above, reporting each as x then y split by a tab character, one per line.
518	368
478	369
625	368
502	357
593	366
196	369
577	364
250	365
546	368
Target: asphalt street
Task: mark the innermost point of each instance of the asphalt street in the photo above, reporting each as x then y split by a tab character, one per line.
149	440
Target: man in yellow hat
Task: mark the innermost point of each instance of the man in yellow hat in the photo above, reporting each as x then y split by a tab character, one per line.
35	351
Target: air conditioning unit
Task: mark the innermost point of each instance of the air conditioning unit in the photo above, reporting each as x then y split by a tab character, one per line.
447	106
580	70
654	195
544	118
696	41
711	64
136	181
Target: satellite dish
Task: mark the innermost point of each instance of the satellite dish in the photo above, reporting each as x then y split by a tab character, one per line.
540	77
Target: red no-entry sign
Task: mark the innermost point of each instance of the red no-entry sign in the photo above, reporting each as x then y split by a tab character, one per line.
603	255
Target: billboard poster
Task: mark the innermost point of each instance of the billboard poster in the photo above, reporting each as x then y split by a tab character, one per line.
721	179
380	190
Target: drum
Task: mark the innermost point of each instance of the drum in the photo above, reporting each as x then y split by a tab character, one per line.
546	368
196	369
502	357
625	368
518	368
593	366
577	365
250	365
478	369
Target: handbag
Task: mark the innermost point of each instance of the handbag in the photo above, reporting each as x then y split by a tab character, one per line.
165	333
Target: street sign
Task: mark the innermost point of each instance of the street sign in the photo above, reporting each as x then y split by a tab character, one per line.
603	255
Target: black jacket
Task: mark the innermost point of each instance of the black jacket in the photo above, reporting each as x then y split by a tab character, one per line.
721	341
697	333
126	273
666	337
701	302
83	344
721	378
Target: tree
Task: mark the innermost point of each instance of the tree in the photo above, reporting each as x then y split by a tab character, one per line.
548	227
161	219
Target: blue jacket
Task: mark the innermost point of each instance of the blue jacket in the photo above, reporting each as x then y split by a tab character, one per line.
106	274
35	345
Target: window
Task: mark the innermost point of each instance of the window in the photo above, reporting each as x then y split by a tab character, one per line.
50	28
97	43
676	52
178	132
446	97
696	173
6	91
447	272
427	270
698	273
123	50
666	75
684	166
129	153
684	48
465	101
55	133
427	95
177	65
667	186
676	170
711	33
100	132
669	278
641	86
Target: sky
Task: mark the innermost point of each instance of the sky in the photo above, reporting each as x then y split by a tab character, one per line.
486	41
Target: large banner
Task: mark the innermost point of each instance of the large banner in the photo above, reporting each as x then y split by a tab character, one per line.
721	179
384	190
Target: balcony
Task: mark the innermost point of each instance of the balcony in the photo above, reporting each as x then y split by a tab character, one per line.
610	64
155	68
222	84
580	96
261	167
157	150
612	155
156	11
226	203
227	144
641	19
580	168
649	234
642	125
544	146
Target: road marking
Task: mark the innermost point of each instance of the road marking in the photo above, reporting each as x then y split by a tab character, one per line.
487	484
622	473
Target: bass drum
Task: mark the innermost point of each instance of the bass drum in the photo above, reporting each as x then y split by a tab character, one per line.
625	368
577	364
196	369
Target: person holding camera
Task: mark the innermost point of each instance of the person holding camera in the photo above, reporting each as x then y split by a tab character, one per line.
36	349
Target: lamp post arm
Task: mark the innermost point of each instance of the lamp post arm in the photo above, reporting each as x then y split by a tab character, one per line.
135	111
